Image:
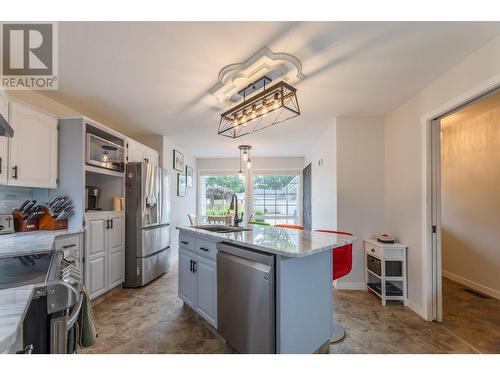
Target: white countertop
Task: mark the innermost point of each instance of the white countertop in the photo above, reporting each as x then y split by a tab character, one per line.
24	243
14	303
279	241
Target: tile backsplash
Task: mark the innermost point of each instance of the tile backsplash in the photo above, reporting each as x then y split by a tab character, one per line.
12	197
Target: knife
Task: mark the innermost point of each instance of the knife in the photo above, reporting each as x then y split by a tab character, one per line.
29	206
53	200
23	205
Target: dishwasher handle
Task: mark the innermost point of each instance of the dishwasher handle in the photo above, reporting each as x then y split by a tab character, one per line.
248	254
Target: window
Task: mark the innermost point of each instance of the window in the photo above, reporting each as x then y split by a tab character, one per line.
216	192
276	199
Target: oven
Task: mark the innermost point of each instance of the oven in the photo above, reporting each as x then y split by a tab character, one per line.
57	298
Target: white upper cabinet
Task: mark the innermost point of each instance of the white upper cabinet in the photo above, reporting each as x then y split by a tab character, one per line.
4	142
152	156
33	149
137	152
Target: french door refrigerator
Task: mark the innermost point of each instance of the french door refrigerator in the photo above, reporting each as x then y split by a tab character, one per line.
147	237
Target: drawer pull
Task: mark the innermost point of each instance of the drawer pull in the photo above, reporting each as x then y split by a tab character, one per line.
184	242
204	249
69	246
373	250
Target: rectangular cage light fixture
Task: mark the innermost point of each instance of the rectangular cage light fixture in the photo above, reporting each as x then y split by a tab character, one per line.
271	106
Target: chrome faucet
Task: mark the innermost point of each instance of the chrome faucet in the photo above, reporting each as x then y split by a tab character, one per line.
234	206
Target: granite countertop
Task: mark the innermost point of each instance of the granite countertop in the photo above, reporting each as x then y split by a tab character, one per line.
14	303
25	243
279	241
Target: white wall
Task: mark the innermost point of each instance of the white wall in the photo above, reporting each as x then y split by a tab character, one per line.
180	207
348	186
360	187
470	203
406	159
233	164
323	159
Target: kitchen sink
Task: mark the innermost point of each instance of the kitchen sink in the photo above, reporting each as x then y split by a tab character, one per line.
221	228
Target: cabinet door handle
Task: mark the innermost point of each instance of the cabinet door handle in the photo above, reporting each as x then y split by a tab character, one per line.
194	266
204	249
1	160
373	250
107	224
14	175
190	266
111	224
184	242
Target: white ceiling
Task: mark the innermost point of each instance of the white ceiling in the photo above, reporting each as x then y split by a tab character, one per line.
153	78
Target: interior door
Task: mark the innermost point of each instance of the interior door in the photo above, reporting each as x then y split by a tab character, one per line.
4	142
436	273
187	280
116	250
33	149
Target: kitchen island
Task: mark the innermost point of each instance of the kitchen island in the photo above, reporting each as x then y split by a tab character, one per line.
300	273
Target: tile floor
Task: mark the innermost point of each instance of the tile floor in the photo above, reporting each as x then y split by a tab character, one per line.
153	320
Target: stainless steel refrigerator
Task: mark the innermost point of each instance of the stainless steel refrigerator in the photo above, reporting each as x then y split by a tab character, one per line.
147	237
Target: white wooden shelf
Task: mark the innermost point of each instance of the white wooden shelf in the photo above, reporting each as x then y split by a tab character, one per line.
108	172
379	256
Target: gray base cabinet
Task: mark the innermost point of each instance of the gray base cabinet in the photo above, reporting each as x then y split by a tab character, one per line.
187	278
198	281
302	296
104	251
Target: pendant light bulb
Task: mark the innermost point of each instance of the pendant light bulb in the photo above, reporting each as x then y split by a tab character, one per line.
245	156
249	164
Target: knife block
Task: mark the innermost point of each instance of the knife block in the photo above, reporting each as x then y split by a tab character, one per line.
47	222
23	225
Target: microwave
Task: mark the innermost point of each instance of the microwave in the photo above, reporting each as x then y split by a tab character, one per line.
105	154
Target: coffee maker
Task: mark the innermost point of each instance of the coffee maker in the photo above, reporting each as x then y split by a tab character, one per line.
91	198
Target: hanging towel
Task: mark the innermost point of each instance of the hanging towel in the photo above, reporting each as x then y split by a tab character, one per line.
87	333
83	331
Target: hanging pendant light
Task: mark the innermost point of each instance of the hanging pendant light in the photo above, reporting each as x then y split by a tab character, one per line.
269	107
245	157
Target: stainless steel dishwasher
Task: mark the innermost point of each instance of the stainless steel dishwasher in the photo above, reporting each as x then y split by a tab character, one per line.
246	299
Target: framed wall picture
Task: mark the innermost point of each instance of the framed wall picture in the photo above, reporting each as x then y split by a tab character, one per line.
189	177
178	161
181	185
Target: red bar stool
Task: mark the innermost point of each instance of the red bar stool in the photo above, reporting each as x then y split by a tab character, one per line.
290	226
342	265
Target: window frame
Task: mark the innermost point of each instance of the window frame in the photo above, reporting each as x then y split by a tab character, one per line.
249	174
280	172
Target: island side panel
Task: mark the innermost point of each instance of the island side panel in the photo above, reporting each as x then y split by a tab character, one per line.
304	306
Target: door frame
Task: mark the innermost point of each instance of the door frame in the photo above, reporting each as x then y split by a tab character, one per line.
432	272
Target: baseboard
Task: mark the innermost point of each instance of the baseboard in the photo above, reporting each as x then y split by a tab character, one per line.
349	285
417	308
472	284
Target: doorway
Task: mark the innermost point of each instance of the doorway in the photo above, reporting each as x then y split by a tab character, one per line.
465	152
